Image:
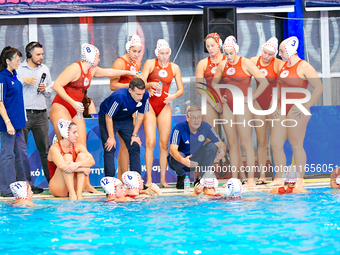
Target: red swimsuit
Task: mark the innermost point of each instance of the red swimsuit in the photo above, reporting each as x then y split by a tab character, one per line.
128	67
269	72
132	196
75	90
52	166
160	75
234	75
289	78
209	74
282	190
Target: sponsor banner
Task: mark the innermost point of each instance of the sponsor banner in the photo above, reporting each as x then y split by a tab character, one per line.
23	7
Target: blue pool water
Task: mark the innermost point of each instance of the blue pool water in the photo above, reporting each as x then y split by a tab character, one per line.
273	224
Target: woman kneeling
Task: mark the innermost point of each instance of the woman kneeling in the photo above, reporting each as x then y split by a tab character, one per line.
69	163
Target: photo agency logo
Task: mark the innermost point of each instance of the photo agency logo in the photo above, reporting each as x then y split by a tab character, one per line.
239	102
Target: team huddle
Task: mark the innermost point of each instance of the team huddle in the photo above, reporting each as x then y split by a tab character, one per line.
141	96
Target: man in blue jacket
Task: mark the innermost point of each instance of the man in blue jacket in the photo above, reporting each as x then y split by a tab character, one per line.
115	115
188	147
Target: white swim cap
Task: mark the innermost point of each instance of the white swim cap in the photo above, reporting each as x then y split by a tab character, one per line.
230	42
89	53
134	40
290	174
209	180
109	185
64	128
19	189
271	45
336	175
337	180
291	44
132	180
162	44
234	188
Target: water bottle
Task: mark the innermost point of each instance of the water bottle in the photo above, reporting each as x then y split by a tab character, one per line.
186	185
80	114
159	91
177	110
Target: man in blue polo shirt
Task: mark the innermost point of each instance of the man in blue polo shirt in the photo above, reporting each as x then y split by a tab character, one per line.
115	115
188	148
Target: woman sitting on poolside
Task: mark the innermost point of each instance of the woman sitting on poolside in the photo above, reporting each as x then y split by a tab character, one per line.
69	163
290	177
114	189
134	184
23	194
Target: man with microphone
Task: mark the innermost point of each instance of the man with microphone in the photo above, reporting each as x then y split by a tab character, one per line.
37	86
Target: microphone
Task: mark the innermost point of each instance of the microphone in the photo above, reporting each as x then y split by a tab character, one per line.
42	79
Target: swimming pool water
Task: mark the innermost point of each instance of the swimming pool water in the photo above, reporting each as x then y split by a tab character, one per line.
272	224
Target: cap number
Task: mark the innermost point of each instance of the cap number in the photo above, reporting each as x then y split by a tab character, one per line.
105	181
88	49
18	185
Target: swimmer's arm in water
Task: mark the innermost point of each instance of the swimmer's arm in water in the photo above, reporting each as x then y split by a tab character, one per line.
123	199
333	183
298	190
143	195
251	198
109	72
23	205
274	191
156	189
198	189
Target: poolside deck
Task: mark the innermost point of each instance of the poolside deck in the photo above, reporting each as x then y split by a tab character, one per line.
309	184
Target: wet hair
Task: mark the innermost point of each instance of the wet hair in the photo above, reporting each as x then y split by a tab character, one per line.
8	53
198	179
86	103
289	184
71	124
137	83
